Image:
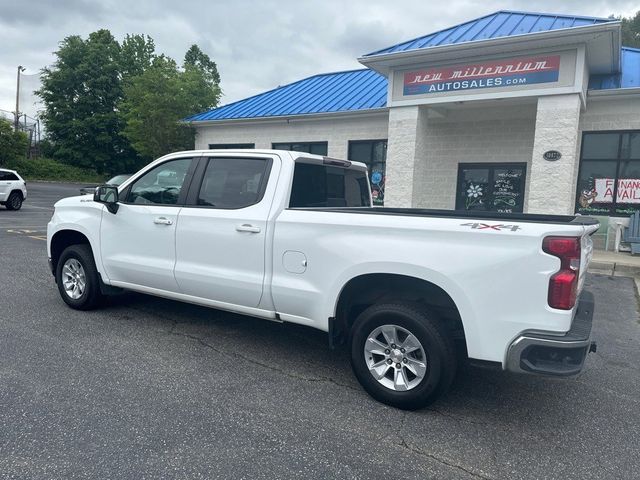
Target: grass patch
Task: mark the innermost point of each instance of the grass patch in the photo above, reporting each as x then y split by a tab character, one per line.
50	170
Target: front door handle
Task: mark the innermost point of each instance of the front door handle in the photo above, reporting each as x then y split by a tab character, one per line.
245	227
162	221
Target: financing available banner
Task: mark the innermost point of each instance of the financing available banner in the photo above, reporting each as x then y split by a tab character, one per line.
628	190
501	73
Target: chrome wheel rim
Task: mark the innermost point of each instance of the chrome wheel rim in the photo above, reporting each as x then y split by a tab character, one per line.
74	279
395	358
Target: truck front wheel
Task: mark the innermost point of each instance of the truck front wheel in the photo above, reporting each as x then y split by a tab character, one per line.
77	278
401	355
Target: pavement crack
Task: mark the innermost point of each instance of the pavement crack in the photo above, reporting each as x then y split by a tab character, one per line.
258	363
417	451
457	418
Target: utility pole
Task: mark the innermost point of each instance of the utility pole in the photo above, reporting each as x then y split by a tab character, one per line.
17	121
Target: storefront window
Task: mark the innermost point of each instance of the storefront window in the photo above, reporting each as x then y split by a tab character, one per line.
374	154
492	187
316	148
609	179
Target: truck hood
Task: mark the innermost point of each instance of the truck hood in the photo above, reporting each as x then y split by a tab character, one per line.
78	201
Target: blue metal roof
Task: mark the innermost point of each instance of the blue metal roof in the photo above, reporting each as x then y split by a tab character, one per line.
330	92
629	76
504	23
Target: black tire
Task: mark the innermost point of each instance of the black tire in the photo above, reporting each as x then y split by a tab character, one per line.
437	344
14	202
91	296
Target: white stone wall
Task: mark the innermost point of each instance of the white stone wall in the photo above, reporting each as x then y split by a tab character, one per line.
336	131
611	113
406	156
552	185
477	134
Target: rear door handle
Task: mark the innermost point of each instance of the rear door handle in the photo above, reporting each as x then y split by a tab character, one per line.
162	221
245	227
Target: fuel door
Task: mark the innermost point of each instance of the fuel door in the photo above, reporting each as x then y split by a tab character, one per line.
294	261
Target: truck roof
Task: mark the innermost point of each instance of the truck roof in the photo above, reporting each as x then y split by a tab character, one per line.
308	157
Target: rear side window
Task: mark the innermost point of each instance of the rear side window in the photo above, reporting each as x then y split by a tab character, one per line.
328	186
233	182
8	176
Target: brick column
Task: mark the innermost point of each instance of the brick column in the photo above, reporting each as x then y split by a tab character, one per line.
406	150
552	185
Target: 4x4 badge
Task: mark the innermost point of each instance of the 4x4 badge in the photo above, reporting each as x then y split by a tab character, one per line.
486	226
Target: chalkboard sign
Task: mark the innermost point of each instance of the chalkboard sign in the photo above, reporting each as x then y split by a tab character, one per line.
495	187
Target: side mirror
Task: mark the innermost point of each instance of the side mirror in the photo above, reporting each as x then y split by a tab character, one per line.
108	195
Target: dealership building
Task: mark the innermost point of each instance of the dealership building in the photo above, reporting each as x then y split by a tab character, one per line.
511	112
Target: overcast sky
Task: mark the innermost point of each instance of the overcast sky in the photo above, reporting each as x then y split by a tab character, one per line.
258	44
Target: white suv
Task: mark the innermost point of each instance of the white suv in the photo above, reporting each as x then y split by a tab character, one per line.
13	189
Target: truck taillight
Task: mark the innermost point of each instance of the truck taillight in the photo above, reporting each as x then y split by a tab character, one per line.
563	285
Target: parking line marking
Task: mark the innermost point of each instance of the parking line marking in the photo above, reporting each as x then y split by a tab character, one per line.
38	238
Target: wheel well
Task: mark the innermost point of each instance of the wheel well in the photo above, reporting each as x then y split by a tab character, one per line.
19	192
366	290
62	240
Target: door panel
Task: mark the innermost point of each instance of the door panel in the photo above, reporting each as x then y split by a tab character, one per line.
220	240
138	241
216	259
138	245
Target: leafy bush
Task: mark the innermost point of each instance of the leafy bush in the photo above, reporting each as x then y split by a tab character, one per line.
13	145
47	169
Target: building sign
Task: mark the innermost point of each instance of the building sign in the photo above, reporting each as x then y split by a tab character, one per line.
501	73
628	191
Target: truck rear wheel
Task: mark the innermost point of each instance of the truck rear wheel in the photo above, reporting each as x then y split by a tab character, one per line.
401	355
77	278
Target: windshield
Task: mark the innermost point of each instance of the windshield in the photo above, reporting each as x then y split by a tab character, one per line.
117	180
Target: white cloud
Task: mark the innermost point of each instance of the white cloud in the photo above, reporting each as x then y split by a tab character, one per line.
258	45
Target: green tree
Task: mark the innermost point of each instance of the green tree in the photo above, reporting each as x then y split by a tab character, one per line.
156	101
136	54
631	31
198	60
103	99
80	93
13	145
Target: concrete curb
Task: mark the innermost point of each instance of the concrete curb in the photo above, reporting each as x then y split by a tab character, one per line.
615	268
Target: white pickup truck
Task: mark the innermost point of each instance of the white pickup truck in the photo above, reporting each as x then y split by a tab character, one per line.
292	237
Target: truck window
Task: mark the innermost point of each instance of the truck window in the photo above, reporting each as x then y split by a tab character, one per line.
233	182
328	186
160	185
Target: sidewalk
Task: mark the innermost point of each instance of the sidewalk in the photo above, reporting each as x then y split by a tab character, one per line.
620	264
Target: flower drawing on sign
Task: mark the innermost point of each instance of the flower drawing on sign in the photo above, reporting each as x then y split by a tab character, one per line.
474	192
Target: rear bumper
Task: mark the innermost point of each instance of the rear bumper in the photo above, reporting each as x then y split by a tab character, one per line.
551	354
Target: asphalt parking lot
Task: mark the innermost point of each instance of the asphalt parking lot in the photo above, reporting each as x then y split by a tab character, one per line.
150	388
